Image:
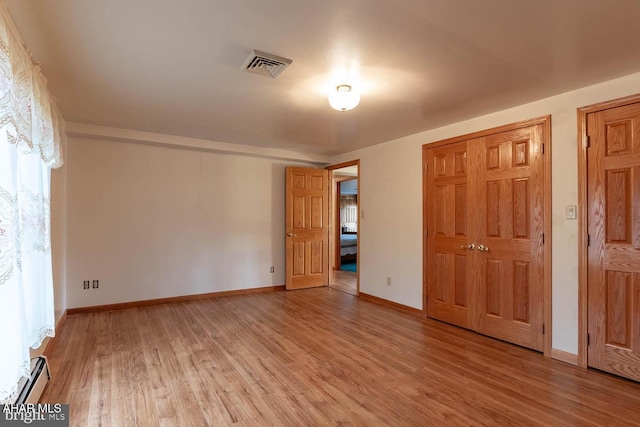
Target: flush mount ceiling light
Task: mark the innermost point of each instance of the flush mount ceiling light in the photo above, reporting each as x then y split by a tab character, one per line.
344	98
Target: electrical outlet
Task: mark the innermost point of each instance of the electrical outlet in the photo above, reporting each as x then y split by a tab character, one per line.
85	284
96	284
388	281
272	269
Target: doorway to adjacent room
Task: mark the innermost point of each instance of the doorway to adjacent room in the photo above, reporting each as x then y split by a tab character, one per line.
344	229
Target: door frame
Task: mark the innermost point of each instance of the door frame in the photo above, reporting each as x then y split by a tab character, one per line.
333	224
583	218
545	121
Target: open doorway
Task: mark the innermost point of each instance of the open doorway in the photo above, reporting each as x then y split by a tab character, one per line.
344	225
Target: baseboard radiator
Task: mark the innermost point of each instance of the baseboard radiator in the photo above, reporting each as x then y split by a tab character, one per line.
35	383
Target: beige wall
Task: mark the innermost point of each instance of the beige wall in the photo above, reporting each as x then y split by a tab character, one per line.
153	222
391	187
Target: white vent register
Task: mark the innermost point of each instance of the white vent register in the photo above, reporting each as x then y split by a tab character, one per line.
265	64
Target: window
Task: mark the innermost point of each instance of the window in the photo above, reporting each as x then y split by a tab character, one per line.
30	133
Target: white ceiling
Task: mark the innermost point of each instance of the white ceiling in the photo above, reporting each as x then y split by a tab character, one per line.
173	67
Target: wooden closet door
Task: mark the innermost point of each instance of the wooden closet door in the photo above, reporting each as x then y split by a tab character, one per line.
613	169
484	210
508	217
448	258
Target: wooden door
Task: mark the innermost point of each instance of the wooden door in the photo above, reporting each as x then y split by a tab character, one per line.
448	240
307	240
613	174
508	213
484	210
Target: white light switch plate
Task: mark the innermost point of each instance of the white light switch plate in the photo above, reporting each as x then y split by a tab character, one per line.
572	212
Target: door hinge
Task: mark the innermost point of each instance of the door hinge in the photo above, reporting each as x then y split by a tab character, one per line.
426	233
543	238
543	329
542	148
588	239
588	339
588	141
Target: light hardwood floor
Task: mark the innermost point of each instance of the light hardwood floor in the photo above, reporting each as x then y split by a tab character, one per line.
345	281
313	357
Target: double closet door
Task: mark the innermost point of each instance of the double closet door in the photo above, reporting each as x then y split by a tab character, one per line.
484	209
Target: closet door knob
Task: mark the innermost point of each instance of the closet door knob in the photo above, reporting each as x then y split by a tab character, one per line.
290	234
470	247
483	248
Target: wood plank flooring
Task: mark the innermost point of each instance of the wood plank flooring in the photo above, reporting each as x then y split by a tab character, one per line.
345	281
313	357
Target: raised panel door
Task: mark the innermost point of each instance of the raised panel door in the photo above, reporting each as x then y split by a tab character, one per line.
613	168
447	218
509	210
484	210
307	237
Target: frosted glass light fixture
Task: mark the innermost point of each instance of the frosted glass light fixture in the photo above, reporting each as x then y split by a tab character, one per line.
344	98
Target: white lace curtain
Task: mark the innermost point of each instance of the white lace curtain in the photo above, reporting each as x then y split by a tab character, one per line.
30	134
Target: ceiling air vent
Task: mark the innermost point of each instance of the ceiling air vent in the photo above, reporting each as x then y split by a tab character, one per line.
265	64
